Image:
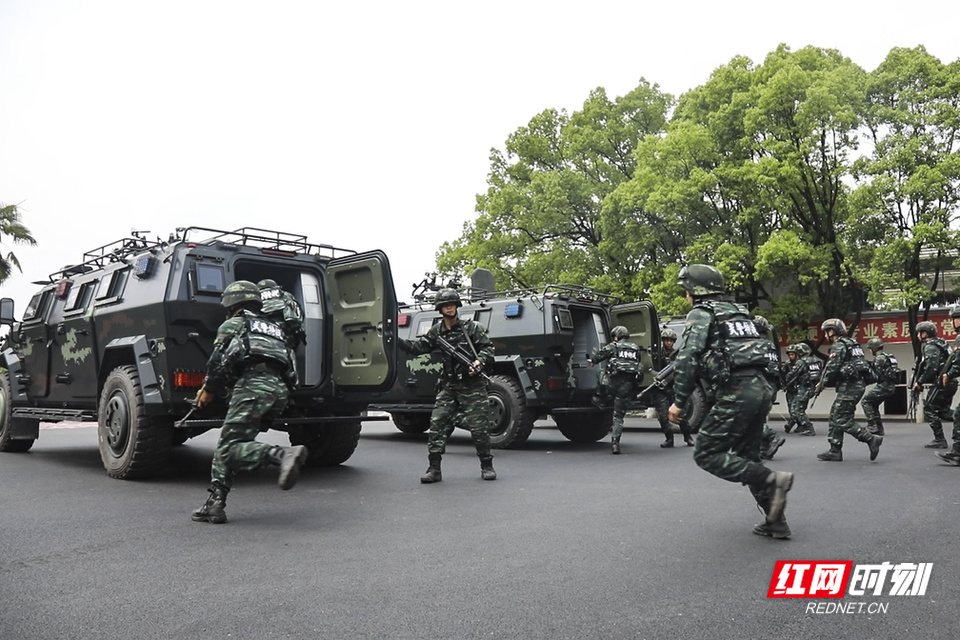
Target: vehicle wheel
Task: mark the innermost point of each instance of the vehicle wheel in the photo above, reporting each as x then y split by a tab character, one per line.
583	427
411	422
6	417
512	420
329	444
132	445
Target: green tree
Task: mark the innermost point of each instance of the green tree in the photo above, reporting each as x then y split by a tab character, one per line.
539	222
11	227
909	185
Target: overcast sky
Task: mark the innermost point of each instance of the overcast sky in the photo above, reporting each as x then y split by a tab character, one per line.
365	125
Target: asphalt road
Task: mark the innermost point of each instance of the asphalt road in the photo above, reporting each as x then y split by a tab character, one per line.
569	542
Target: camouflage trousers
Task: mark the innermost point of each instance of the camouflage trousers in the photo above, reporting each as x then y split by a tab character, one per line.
937	411
257	398
842	411
728	443
873	399
797	407
622	386
463	404
662	399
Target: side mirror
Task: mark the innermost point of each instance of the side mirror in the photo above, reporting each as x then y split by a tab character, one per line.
6	311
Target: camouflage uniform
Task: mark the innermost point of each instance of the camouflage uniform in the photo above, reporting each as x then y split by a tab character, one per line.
801	381
282	307
257	391
887	371
936	404
661	400
728	443
849	370
953	373
462	394
623	369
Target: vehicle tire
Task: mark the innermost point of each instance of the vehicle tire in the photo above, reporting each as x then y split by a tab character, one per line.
584	427
512	420
6	417
411	422
132	444
329	444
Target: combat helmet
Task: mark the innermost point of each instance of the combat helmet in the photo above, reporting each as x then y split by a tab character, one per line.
668	334
836	324
927	326
804	349
240	292
619	332
875	343
446	296
955	311
701	280
267	283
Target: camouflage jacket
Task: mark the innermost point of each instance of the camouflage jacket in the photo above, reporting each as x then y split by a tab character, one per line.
281	307
845	363
935	354
463	332
887	369
243	341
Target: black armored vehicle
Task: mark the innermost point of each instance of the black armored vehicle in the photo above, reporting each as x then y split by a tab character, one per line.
542	338
122	338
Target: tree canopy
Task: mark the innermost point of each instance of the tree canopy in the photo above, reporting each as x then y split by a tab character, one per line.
816	187
12	228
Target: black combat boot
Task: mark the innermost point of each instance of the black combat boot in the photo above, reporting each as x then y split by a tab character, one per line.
952	456
834	455
879	429
778	484
289	459
687	436
615	446
938	442
213	510
808	431
777	529
769	449
788	427
668	443
874	442
433	471
486	468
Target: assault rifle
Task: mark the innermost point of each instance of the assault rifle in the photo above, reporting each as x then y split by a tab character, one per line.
461	355
914	394
661	379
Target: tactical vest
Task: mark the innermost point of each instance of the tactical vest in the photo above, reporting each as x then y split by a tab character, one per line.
892	371
814	369
282	308
625	359
854	365
739	346
261	340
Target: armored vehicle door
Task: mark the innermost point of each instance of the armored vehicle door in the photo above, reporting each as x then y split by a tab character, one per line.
364	312
641	319
72	359
35	343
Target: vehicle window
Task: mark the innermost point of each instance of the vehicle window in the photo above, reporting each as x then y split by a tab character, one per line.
483	317
80	297
423	324
38	305
564	319
112	287
210	279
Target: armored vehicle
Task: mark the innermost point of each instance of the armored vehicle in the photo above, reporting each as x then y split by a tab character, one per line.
122	338
542	338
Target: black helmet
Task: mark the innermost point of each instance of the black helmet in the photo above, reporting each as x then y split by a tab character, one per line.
240	292
267	283
793	348
955	311
446	296
875	343
668	334
836	324
804	349
927	326
701	280
620	332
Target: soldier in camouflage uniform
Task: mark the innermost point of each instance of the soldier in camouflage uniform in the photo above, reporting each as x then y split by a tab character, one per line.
722	349
662	397
951	374
936	404
462	399
250	365
849	370
623	368
806	387
887	370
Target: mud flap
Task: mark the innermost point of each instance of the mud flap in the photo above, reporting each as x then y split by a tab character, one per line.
24	428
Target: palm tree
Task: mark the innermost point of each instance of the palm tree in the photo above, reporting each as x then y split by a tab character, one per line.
12	227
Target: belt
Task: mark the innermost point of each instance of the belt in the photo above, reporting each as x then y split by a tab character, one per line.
266	367
746	372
